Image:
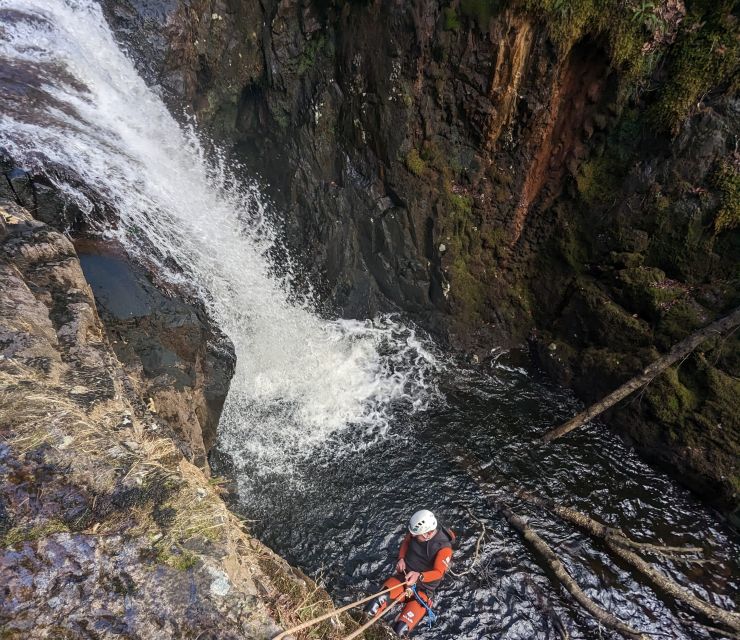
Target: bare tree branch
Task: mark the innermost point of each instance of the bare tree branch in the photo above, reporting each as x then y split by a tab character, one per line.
680	350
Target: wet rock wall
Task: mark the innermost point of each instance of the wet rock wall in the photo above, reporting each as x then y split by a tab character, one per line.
565	172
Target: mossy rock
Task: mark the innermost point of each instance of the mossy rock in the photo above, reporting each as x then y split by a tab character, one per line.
670	401
467	292
480	11
451	19
727	180
626	259
604	322
680	320
599	180
646	290
705	55
723	401
33	533
414	163
601	370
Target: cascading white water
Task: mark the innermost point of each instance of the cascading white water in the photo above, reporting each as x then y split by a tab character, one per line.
72	99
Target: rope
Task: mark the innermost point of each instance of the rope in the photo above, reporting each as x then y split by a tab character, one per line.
431	616
367	625
336	612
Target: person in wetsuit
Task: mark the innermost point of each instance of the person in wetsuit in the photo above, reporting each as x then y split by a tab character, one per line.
423	559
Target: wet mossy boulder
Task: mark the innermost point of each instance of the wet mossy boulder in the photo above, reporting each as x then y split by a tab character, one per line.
647	290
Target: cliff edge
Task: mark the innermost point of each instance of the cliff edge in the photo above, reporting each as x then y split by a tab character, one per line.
106	529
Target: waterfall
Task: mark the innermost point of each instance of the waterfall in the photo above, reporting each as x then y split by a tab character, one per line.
71	99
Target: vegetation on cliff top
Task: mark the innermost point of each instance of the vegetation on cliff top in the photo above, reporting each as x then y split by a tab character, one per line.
686	53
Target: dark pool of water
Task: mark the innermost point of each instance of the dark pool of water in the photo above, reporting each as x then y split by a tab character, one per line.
115	285
342	516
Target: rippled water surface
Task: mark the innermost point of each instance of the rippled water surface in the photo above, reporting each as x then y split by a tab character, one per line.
338	430
340	515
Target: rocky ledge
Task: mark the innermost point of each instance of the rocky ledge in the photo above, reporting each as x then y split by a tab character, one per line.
106	528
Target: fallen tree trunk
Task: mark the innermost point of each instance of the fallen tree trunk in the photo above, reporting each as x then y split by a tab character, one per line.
603	616
619	544
596	528
678	351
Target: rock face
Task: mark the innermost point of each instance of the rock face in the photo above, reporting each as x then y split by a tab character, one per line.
106	530
179	362
498	170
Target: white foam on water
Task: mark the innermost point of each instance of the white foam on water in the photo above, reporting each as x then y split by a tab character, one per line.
76	102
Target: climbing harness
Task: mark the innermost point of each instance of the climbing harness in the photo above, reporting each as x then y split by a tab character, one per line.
431	616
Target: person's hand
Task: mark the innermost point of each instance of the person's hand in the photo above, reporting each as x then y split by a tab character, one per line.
412	577
401	565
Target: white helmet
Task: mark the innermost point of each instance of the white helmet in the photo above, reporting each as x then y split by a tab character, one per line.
422	522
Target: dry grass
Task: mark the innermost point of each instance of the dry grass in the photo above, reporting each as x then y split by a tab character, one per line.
101	459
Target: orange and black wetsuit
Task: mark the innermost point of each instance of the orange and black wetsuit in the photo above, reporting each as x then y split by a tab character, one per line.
431	559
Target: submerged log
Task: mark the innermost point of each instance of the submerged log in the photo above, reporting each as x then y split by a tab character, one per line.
678	351
544	550
599	530
619	544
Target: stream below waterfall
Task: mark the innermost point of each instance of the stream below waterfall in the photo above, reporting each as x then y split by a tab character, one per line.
337	430
340	513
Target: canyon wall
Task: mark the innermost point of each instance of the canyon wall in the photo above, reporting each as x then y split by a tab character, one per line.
565	173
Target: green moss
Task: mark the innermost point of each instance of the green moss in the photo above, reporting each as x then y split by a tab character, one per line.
568	21
706	54
647	291
628	259
20	534
678	322
467	291
727	180
723	398
610	324
183	561
281	118
414	163
310	53
600	178
461	205
494	241
451	19
614	367
175	557
432	155
481	11
573	251
669	400
596	183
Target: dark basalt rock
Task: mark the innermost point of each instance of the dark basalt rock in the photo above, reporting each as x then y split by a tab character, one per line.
471	171
39	196
185	363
